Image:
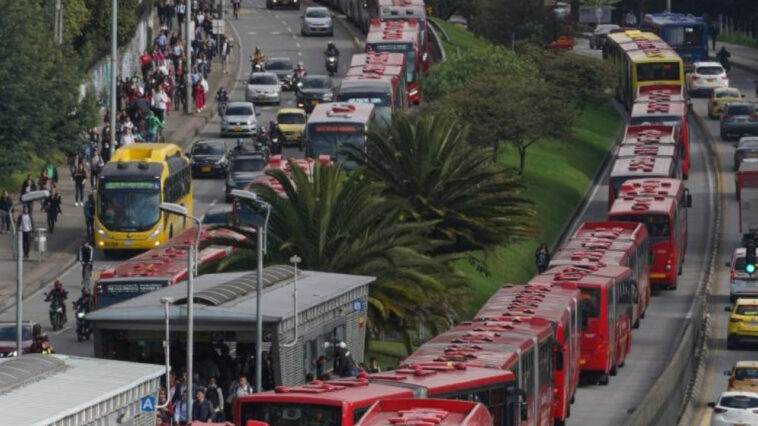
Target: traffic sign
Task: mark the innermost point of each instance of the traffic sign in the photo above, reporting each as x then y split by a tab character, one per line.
147	404
357	305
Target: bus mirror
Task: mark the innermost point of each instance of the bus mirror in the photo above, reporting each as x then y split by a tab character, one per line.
524	409
689	200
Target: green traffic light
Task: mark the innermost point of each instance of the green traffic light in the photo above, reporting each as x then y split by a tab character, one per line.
750	268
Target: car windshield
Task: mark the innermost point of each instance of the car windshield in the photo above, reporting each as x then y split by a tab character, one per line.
290	118
316	83
316	13
727	94
248	164
657	225
129	206
291	414
709	70
658	71
746	373
739	401
263	80
208	149
747	310
239	110
8	333
740	110
279	65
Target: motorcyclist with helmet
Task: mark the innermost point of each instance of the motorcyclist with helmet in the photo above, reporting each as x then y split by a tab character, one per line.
40	343
84	302
723	56
331	50
332	58
258	58
299	71
58	295
222	99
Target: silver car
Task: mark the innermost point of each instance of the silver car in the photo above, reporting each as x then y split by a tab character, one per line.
263	87
239	119
317	21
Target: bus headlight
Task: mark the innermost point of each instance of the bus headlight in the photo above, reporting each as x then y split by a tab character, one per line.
102	233
155	233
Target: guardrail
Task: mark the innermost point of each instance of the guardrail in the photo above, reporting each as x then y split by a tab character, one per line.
436	49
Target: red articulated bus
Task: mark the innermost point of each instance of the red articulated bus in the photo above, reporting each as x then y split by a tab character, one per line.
597	244
666	113
522	347
405	10
399	37
666	224
644	135
345	401
378	66
562	308
606	314
158	268
442	412
637	168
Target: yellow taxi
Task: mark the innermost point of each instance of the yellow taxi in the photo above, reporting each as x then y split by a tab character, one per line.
743	323
291	122
743	376
720	97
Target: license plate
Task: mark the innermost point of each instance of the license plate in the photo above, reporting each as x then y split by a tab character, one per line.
206	169
314	102
261	96
128	242
711	80
752	155
237	128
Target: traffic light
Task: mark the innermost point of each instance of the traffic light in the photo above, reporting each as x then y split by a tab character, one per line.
750	257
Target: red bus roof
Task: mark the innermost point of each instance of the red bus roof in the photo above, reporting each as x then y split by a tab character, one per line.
642	166
402	10
442	412
358	73
341	112
383	32
649	134
356	391
668	187
635	150
653	109
529	301
602	277
377	58
615	230
642	205
588	259
278	162
661	93
440	378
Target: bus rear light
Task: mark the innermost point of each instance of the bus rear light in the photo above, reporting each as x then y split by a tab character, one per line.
555	391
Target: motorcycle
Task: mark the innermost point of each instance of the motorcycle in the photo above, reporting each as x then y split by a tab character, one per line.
222	107
332	65
83	328
57	315
257	66
275	141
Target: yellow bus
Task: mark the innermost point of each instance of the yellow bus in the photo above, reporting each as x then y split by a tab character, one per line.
642	59
132	185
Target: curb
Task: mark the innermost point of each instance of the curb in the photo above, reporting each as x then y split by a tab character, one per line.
30	289
357	43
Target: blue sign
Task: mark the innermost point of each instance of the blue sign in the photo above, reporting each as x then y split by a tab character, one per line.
357	305
147	404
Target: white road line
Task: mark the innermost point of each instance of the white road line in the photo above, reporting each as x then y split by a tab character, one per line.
299	53
61	330
213	203
298	45
289	29
251	32
275	32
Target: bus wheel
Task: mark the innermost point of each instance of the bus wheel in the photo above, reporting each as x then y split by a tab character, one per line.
681	266
614	371
637	323
604	379
573	398
622	363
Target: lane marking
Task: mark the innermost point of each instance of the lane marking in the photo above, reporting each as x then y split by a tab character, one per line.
299	53
213	203
283	22
275	32
252	32
289	29
296	44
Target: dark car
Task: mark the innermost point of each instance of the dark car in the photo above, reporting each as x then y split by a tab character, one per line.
272	4
747	149
314	89
600	35
243	168
738	119
209	158
218	215
282	67
8	338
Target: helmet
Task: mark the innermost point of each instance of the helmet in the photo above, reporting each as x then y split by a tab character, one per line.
342	345
257	49
58	284
330	45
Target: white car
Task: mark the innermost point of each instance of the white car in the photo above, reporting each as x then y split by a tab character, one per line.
705	77
317	21
263	87
734	408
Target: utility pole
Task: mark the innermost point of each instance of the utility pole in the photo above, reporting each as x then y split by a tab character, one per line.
188	50
668	6
114	71
58	23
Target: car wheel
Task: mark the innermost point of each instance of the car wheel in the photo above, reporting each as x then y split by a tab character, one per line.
732	342
614	371
732	299
604	379
302	32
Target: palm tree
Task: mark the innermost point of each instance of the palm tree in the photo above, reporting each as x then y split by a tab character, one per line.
341	223
473	203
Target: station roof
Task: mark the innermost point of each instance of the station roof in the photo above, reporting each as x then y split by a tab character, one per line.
31	386
230	297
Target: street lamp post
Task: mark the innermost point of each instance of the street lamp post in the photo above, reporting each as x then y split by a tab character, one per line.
182	211
29	197
114	70
261	231
167	301
294	260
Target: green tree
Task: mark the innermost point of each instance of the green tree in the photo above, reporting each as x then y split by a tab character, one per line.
76	15
341	223
474	204
507	109
508	21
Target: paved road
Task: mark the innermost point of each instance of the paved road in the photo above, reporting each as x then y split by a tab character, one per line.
720	358
278	34
654	341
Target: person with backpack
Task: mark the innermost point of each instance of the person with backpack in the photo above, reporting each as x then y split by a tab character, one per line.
214	394
52	206
96	166
344	364
542	258
80	176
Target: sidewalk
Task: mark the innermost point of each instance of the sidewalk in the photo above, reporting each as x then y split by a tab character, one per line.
70	228
742	57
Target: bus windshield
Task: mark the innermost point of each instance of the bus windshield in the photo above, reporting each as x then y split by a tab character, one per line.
129	206
658	225
328	139
685	35
591	302
663	120
657	71
291	414
410	56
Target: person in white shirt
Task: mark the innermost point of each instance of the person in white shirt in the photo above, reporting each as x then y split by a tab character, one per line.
160	102
26	225
127	137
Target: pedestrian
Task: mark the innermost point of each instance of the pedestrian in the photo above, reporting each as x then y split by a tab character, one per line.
542	258
170	12
374	366
630	20
216	397
202	409
167	412
25	224
80	176
344	364
154	126
180	410
714	30
160	103
105	145
161	42
127	138
96	166
52	206
181	13
6	205
146	63
52	171
321	369
27	186
238	389
226	50
43	181
89	216
199	96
